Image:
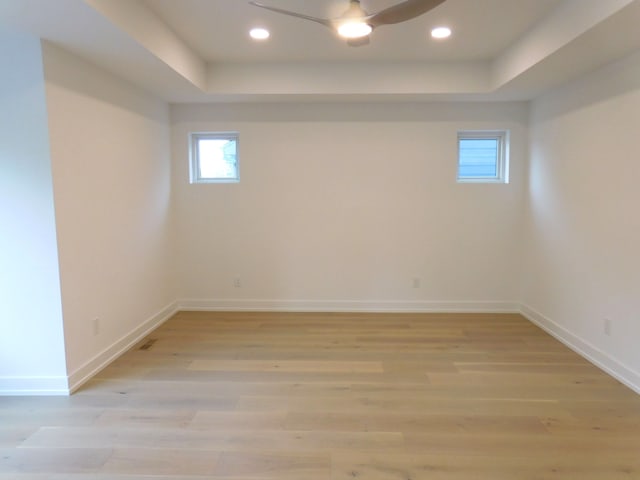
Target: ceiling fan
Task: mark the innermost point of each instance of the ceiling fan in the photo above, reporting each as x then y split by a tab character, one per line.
356	24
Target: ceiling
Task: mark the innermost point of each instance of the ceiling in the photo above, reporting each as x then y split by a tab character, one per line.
200	51
483	28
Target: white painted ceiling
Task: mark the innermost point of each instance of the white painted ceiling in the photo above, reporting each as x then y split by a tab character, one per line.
200	51
217	30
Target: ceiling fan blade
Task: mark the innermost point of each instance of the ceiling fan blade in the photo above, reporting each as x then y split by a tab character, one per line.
322	21
358	42
402	12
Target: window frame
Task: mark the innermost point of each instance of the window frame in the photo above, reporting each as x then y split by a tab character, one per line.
502	158
194	156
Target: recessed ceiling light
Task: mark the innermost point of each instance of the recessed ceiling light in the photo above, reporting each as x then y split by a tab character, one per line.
259	33
441	32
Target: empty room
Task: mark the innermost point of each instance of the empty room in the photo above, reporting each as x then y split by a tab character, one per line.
340	239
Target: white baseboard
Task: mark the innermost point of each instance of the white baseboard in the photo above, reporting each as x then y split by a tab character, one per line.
346	306
108	355
33	386
600	359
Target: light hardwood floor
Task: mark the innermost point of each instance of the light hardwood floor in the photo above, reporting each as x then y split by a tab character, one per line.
246	396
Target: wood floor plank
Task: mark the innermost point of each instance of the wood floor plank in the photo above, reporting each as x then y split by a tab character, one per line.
12	436
146	418
276	365
17	417
416	422
274	465
52	460
157	462
521	445
463	467
212	440
238	421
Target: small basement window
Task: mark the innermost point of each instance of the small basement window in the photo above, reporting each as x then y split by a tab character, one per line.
483	156
214	157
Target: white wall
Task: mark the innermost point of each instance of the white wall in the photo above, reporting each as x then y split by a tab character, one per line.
31	331
342	206
112	184
583	259
339	207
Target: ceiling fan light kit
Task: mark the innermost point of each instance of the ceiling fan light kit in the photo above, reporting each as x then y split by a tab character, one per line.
356	24
354	29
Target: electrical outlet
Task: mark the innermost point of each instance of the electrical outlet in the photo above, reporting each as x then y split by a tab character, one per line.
607	326
416	282
237	283
96	326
